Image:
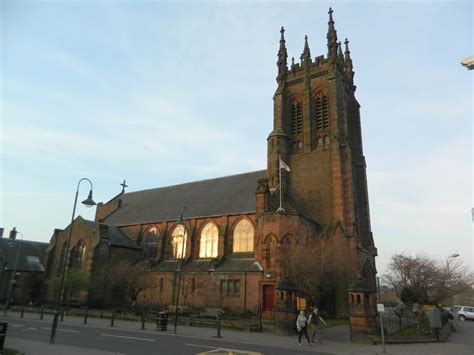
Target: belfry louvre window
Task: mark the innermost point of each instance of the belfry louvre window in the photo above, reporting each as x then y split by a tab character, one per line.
322	112
296	118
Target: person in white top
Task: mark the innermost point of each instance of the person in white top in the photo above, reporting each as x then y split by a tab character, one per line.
302	326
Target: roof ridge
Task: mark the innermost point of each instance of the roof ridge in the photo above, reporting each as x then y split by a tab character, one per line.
194	182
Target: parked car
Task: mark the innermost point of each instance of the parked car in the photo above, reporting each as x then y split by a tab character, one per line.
465	312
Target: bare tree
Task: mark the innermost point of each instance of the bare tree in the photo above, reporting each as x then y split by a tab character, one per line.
423	279
130	276
310	266
190	284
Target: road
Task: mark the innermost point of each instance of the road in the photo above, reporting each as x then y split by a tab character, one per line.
73	338
128	341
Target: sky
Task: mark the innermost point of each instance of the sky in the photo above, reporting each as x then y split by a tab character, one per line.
161	93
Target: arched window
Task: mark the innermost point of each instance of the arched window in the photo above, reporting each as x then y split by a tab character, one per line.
77	255
151	242
296	122
322	112
208	245
271	248
178	242
243	236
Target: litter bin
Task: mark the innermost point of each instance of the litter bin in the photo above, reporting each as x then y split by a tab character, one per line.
3	334
162	321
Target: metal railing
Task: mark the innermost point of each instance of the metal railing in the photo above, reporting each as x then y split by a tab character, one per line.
404	325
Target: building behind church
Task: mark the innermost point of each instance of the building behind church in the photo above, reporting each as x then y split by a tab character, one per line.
239	229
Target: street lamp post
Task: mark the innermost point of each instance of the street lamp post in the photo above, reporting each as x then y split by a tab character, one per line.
181	222
88	202
448	263
13	278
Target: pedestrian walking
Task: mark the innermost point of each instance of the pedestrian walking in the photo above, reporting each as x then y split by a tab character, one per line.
302	326
314	319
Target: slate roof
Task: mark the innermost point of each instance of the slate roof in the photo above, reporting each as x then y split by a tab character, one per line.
229	195
116	236
239	265
29	258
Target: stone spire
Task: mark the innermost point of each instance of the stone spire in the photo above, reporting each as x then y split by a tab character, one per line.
282	57
347	58
331	37
306	55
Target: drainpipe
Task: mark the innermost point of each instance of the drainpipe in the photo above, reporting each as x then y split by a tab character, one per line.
245	290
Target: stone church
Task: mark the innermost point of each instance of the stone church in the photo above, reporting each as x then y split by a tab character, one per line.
238	228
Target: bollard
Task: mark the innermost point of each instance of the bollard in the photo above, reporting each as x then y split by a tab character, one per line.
143	320
22	311
62	315
218	326
85	315
42	312
113	318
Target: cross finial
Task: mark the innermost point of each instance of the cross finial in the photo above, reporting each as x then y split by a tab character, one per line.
292	61
330	11
124	185
346	42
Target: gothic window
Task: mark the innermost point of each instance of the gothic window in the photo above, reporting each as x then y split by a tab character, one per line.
296	122
270	252
151	242
178	242
243	237
209	238
289	246
77	255
322	112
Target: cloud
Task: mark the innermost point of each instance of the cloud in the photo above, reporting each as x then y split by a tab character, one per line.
425	204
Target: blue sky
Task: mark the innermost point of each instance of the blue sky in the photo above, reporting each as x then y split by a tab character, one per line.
162	93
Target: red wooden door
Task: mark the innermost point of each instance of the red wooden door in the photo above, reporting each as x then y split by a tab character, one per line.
268	298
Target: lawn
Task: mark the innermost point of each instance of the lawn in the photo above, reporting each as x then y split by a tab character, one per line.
333	323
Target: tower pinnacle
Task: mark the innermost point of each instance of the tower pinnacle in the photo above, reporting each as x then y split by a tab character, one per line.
348	68
306	55
331	37
340	56
282	56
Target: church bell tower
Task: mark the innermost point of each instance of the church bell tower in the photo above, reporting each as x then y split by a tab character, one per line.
317	133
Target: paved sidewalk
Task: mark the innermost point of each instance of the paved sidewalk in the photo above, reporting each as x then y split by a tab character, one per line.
335	339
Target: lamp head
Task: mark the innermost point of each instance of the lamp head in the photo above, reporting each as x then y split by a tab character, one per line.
181	221
89	202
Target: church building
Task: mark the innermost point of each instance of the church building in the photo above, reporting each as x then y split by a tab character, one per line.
236	231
